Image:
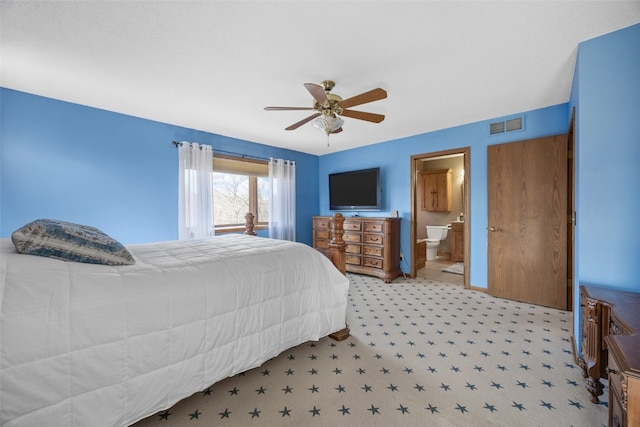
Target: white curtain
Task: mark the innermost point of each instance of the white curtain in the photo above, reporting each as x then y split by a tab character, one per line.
282	202
195	191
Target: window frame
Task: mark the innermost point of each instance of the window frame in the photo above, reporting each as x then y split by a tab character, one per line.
242	166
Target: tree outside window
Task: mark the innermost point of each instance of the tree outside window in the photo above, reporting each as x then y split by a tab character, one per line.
239	187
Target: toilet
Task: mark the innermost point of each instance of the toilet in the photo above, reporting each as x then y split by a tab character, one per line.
435	234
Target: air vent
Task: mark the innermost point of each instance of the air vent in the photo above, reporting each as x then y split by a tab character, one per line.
514	124
497	127
506	126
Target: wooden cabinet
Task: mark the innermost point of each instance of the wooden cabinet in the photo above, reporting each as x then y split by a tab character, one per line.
457	241
372	244
611	349
436	190
421	254
624	385
594	356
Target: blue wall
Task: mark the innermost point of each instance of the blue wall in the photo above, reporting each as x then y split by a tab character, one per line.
115	172
608	112
394	160
119	173
606	95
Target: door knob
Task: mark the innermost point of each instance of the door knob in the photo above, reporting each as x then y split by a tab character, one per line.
494	229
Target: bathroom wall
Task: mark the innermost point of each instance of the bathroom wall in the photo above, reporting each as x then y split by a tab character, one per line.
424	218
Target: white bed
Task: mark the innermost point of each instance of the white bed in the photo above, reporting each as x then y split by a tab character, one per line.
84	343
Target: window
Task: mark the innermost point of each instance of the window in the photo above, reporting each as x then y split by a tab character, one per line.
239	186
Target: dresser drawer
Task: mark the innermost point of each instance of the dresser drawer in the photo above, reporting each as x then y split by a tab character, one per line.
354	249
617	403
618	416
322	234
322	244
352	237
354	260
615	376
352	226
321	223
372	262
372	244
373	250
374	227
375	239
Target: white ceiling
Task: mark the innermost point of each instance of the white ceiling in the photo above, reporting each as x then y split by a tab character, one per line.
215	65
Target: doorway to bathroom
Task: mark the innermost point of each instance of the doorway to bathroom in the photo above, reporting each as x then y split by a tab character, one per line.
440	197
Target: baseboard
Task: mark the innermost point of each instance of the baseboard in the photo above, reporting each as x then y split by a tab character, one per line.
576	356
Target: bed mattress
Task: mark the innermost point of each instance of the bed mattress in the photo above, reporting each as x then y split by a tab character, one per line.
84	342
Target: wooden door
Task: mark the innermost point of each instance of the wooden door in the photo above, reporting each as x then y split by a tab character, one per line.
527	221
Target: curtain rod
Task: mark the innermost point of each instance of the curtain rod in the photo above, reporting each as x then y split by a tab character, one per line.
228	152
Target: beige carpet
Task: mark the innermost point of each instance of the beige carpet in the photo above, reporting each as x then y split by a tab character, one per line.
421	353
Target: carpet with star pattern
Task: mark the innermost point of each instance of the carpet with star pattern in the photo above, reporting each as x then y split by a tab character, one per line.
420	353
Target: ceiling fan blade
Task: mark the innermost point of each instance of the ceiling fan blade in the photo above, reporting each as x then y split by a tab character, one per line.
303	121
363	98
286	108
318	93
361	115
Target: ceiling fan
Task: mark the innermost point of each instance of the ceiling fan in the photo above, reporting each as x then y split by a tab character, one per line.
330	107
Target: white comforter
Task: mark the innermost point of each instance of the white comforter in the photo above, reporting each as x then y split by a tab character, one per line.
84	344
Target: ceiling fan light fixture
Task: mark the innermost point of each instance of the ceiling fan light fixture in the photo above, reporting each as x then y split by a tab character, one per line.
329	108
328	123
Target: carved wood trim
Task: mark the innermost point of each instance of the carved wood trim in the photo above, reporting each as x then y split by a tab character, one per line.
249	217
337	246
625	394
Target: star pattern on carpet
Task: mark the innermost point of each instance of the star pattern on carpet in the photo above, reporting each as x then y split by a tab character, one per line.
286	412
417	348
491	408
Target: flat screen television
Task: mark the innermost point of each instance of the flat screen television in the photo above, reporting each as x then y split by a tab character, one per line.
355	190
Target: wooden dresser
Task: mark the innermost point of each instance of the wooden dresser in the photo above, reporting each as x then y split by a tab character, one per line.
373	244
611	349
